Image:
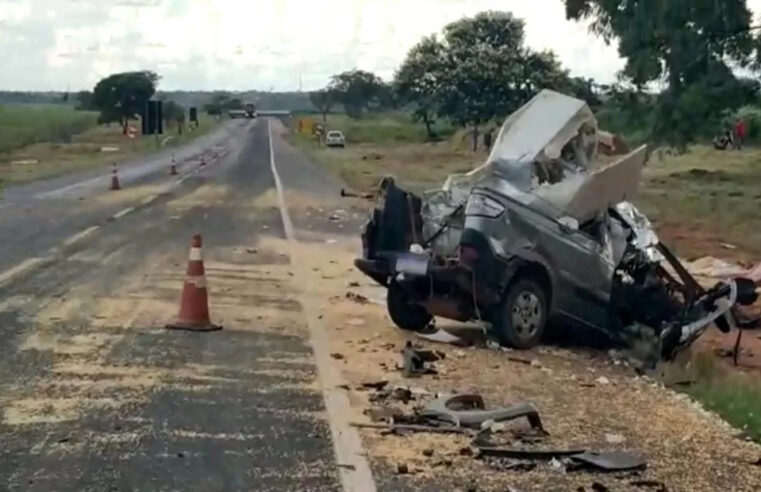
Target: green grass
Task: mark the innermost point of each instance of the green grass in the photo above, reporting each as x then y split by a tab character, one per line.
388	144
704	198
81	151
735	396
383	128
26	124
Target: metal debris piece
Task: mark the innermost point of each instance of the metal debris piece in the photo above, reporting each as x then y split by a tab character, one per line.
353	194
443	336
469	411
383	414
414	428
376	385
417	362
610	460
502	464
528	454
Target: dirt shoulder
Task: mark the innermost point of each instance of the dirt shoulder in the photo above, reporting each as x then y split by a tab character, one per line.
585	400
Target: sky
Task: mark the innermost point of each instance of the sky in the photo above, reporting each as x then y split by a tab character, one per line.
280	45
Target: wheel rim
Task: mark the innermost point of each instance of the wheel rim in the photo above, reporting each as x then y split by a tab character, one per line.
527	314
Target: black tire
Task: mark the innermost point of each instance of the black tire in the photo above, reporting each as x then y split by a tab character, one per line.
404	313
521	320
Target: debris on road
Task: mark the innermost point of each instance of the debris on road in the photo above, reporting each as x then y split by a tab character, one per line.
337	356
358	298
355	194
416	362
610	461
338	215
442	336
469	410
614	438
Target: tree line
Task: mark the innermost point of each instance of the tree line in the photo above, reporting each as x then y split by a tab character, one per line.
679	83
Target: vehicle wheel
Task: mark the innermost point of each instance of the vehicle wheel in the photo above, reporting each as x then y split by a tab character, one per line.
521	321
404	313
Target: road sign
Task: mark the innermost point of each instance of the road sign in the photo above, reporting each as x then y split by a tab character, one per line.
153	119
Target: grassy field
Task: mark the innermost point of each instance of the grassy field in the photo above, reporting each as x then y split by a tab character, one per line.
51	141
25	124
700	202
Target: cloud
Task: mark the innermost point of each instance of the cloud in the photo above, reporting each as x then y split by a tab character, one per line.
253	44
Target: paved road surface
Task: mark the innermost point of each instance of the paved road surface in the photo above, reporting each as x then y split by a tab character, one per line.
95	394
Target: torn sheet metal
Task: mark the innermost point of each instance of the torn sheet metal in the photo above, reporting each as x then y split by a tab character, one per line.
605	188
542	127
469	411
442	336
645	238
723	304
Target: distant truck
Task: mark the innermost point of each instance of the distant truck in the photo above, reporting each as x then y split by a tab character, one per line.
250	110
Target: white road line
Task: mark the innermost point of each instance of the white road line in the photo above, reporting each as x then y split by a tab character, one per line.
80	235
22	267
122	213
346	440
148	199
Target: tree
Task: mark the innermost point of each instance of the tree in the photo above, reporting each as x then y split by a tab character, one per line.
357	91
123	96
221	103
323	100
418	80
584	89
688	44
84	101
487	72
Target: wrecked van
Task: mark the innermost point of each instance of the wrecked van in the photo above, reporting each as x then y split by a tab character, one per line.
543	231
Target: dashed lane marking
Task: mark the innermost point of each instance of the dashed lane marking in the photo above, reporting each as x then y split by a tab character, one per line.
21	268
122	213
346	441
80	235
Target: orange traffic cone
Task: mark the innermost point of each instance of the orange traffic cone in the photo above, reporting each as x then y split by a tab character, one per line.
115	179
194	304
173	169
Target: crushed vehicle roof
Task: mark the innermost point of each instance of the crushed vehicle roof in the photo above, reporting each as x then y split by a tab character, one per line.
546	157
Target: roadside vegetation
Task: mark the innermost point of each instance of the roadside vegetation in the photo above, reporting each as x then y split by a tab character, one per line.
456	84
26	124
98	146
44	140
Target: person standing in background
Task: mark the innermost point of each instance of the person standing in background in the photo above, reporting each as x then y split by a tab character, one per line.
740	132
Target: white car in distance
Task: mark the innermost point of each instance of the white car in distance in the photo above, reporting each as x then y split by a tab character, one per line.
335	138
